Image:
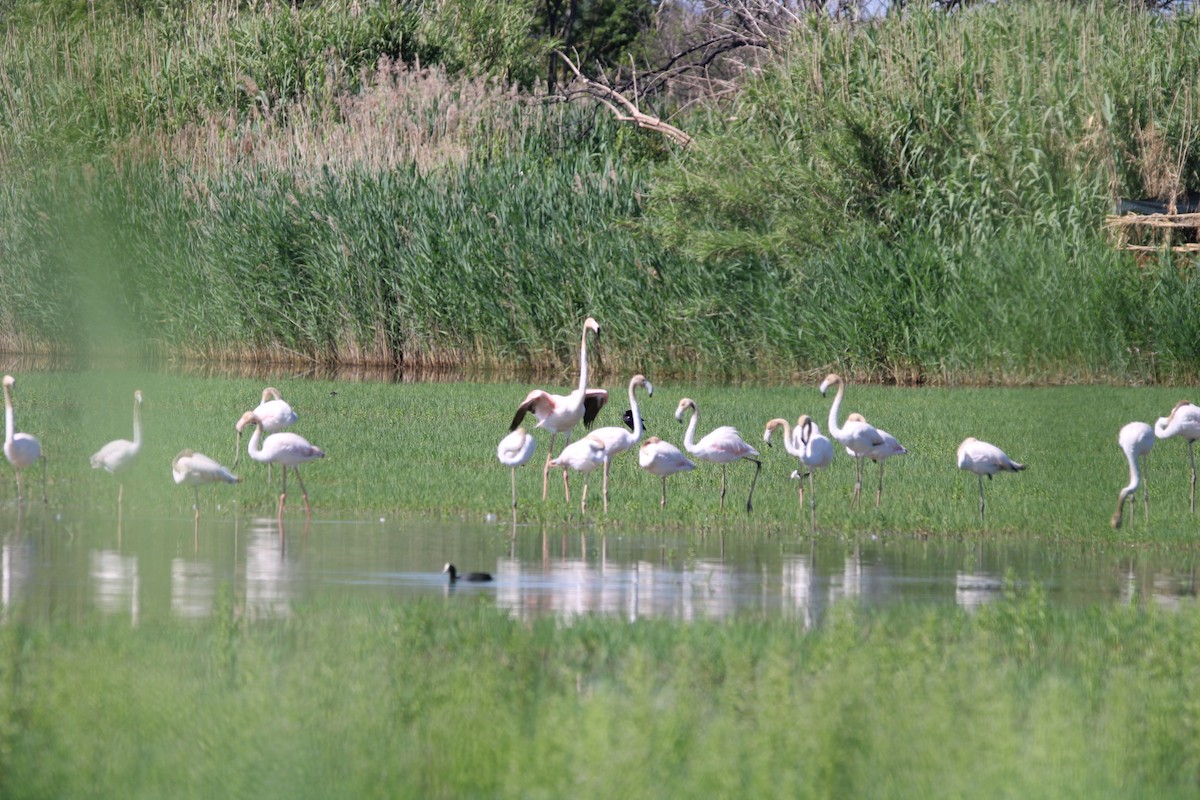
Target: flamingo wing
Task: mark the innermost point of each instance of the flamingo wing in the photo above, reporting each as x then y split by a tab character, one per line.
593	401
539	402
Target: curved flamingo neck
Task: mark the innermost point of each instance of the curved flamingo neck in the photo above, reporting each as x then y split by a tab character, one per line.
834	427
255	447
689	438
637	415
1135	475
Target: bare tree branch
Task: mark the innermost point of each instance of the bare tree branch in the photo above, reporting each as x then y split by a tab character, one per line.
624	109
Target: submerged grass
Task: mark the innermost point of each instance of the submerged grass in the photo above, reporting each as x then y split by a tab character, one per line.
453	700
429	449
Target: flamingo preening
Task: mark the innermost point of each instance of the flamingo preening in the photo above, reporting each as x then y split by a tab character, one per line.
723	445
983	458
1136	440
583	456
514	450
664	460
617	439
1183	421
118	454
561	413
21	449
196	469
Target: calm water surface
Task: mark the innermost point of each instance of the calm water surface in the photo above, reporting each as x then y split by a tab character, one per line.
159	567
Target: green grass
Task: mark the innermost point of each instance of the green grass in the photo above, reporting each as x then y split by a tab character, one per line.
434	700
429	449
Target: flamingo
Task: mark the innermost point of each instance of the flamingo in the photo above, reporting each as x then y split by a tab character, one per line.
119	453
664	460
984	459
476	577
275	413
285	449
722	446
791	443
857	436
880	453
21	449
814	450
514	450
195	469
583	456
1136	439
1184	420
561	413
617	439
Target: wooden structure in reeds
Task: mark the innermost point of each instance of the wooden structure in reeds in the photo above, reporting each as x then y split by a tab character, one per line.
1145	234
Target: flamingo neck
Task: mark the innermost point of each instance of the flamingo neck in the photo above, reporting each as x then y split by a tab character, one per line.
137	425
583	368
255	447
637	415
8	418
1135	475
834	428
689	437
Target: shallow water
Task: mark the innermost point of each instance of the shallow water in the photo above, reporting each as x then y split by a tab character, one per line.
153	568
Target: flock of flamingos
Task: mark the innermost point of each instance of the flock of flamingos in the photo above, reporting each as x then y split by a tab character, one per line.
724	445
560	414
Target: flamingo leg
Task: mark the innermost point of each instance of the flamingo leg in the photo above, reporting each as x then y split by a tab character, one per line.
879	491
583	500
1145	494
1192	459
196	504
800	481
722	487
282	497
514	488
546	469
980	498
754	480
20	489
812	499
303	493
854	500
663	503
44	498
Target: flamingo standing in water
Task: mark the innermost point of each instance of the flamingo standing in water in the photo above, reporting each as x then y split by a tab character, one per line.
285	449
857	436
722	445
275	413
664	460
880	453
514	450
21	449
196	469
1136	440
119	453
983	458
583	456
561	413
1184	420
617	439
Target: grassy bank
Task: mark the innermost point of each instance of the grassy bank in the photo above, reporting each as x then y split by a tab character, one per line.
429	449
433	700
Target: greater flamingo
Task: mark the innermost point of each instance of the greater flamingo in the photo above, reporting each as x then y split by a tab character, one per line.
722	445
857	436
285	449
618	439
664	460
196	469
583	456
514	450
21	449
1184	421
791	443
880	452
275	413
476	577
1136	440
984	459
561	413
812	448
119	453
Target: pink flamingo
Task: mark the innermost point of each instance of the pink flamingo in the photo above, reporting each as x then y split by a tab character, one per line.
285	449
664	460
21	449
1136	440
119	453
983	458
583	456
561	413
722	446
1184	421
617	438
